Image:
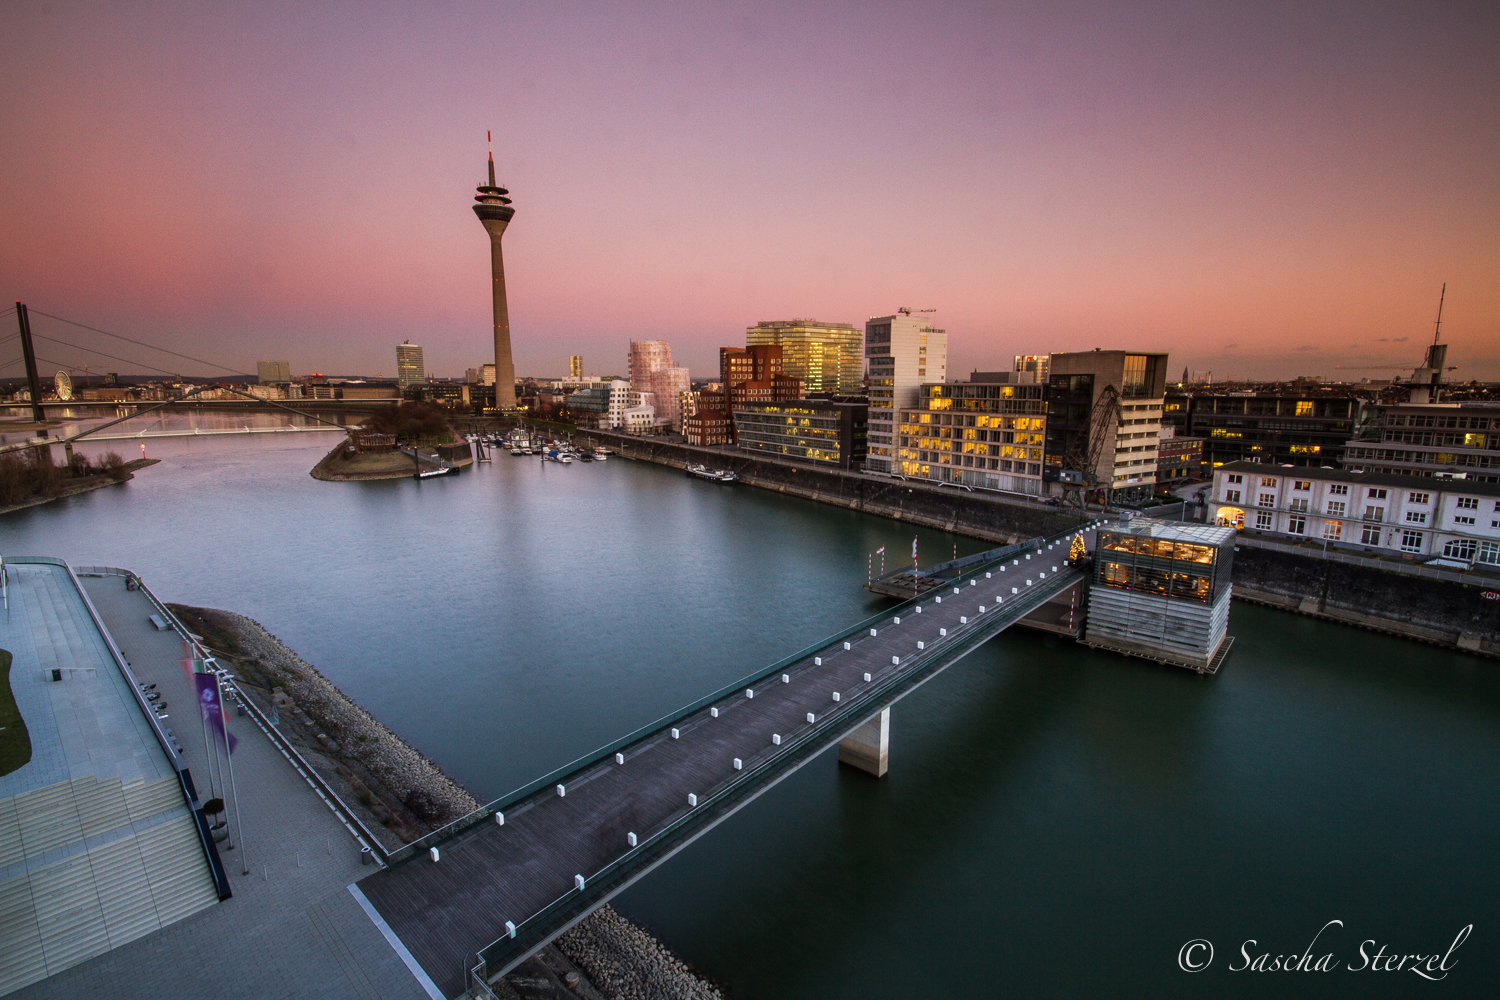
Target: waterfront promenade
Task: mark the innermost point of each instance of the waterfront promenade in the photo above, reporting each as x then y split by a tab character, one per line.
532	864
291	929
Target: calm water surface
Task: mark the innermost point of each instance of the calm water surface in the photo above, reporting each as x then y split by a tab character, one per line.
1056	821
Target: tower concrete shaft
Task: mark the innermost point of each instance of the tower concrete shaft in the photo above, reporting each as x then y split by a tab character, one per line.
495	213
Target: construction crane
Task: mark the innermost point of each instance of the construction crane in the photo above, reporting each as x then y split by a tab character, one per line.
1081	461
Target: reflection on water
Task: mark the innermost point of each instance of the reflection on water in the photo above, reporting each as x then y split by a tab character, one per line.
1056	820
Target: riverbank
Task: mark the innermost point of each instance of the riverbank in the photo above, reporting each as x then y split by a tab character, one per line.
72	487
988	516
402	796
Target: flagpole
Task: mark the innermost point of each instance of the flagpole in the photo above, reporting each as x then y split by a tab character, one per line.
208	751
234	792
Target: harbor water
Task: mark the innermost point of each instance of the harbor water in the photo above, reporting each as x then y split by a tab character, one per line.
1056	821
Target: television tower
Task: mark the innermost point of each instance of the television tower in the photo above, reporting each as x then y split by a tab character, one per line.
494	213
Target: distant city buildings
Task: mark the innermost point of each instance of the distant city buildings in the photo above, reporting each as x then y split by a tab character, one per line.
827	357
903	352
1454	519
652	371
988	432
1036	364
268	372
575	366
487	374
820	431
409	368
1179	460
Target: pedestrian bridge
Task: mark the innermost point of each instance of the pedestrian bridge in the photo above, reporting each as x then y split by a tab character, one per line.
471	901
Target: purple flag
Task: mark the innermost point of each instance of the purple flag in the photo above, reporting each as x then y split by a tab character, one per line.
213	709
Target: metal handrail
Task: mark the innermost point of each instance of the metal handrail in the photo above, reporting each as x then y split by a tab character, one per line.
325	791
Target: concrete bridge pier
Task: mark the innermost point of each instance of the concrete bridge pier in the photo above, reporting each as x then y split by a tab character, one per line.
868	747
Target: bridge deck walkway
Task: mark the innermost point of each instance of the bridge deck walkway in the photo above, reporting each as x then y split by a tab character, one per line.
520	871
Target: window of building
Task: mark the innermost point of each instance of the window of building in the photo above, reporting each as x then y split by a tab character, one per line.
1296	524
1377	494
1268	482
1489	552
1241	479
1370	535
1333	530
1299	504
1468	503
1411	541
1338	490
1416	517
1304	408
1301	485
1374	513
1336	508
1416	498
1268	499
1232	496
1463	520
1461	548
1263	520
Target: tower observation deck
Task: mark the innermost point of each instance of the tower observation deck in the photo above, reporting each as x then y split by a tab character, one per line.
494	211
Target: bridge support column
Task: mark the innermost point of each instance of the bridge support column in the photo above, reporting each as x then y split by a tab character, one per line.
868	747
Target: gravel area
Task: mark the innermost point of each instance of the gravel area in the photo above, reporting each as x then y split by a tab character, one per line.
625	963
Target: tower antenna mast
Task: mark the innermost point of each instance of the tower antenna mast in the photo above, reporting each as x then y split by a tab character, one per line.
1437	327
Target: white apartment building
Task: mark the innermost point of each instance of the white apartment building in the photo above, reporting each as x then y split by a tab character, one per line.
903	351
1454	519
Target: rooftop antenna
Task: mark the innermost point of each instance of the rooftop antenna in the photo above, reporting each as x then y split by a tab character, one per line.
490	148
1438	326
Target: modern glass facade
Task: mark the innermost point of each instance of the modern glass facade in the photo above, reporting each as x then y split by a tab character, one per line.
814	430
978	434
1186	562
827	357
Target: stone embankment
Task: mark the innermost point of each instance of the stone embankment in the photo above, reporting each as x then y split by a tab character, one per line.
1463	616
625	963
991	516
403	795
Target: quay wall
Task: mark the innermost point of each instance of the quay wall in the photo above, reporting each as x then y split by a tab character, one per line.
1444	613
977	515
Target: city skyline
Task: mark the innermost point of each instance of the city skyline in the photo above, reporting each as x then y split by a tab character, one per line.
1259	194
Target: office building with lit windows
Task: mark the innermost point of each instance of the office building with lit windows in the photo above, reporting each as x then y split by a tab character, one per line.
903	352
1428	439
409	368
984	434
1279	428
827	357
821	431
1451	519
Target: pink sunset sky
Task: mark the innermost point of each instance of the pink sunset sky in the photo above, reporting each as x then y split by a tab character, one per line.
1264	190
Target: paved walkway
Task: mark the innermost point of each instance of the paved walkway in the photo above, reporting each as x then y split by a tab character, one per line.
292	928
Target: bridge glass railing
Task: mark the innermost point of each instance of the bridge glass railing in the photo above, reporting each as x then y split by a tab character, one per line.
458	826
796	744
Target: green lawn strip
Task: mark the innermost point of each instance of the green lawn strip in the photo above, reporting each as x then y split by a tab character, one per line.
15	742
